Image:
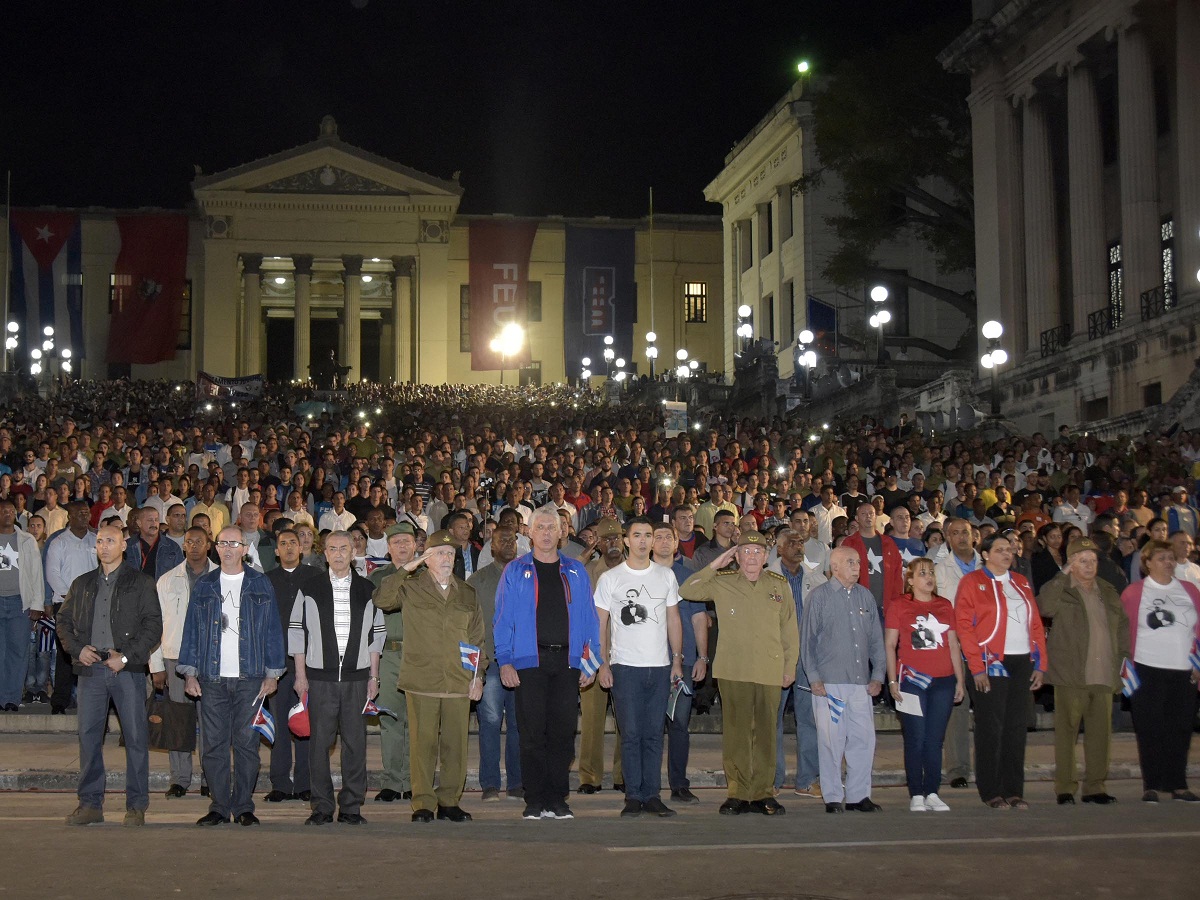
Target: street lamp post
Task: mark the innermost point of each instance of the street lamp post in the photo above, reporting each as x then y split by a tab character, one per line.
806	360
507	343
49	360
10	347
745	326
993	359
879	295
651	351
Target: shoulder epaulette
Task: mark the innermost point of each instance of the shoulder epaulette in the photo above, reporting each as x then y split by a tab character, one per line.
774	574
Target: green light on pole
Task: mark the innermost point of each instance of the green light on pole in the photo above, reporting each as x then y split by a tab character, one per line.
802	67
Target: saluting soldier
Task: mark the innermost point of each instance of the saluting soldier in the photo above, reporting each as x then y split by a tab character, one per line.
440	611
760	647
593	700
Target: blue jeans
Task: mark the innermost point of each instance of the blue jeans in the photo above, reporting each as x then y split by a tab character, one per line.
498	704
127	691
37	666
679	740
923	735
640	697
14	648
227	708
808	762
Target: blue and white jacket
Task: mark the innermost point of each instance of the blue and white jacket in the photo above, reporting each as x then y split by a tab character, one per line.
261	645
515	623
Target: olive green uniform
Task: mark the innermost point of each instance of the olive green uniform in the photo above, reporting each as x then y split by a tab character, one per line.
760	644
393	733
593	708
436	684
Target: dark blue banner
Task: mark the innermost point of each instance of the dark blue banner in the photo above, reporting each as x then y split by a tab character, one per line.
600	296
822	322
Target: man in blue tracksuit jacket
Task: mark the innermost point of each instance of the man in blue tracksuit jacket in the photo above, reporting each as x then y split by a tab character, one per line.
545	618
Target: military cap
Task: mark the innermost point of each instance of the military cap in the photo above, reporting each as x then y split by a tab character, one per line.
400	528
1081	544
607	527
753	538
441	538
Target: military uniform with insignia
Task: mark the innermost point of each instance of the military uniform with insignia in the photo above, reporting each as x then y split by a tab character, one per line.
593	701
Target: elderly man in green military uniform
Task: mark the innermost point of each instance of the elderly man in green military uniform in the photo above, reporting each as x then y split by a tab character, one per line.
393	732
760	646
593	700
440	612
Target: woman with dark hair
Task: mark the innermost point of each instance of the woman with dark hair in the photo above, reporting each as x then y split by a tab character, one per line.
926	663
1164	620
81	492
1049	559
1000	629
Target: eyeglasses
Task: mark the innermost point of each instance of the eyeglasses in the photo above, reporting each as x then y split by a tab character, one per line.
230	544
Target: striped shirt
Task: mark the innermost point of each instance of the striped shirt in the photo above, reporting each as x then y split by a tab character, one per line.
341	610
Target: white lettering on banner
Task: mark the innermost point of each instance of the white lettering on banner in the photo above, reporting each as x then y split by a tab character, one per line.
504	293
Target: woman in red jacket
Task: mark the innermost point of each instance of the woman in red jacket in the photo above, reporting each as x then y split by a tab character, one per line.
1000	630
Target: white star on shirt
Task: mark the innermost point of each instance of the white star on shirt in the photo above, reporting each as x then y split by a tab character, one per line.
935	627
873	562
908	556
44	233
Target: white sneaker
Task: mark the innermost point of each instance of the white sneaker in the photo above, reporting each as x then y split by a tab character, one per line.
934	803
917	804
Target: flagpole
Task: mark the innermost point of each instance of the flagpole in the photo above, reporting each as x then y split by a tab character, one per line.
7	261
652	258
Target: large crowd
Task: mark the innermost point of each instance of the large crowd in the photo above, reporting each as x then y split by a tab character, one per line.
285	567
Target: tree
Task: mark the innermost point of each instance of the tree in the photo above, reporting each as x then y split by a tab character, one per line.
894	127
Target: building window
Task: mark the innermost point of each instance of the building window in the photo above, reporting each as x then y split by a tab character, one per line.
785	214
1116	294
183	340
1095	409
745	251
767	228
1152	394
695	302
1168	258
533	302
788	292
530	374
464	318
769	306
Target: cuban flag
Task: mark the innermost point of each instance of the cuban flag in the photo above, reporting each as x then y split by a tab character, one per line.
1129	678
47	280
374	709
264	722
46	631
993	666
589	662
1193	657
836	708
470	657
911	675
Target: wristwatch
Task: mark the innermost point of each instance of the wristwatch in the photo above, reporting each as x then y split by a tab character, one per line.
124	660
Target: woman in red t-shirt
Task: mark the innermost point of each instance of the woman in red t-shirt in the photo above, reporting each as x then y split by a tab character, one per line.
919	630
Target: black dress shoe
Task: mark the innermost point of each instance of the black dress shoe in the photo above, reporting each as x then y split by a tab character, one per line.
632	809
176	790
618	786
319	819
351	819
278	797
866	804
406	795
453	814
247	819
834	808
306	796
655	807
423	815
204	792
213	818
734	807
58	710
1098	798
588	789
387	795
959	782
1067	799
683	795
768	807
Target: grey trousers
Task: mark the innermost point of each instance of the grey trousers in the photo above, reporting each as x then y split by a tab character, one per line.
335	708
851	738
956	751
180	762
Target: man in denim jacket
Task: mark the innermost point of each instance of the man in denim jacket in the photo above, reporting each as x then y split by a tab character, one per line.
232	654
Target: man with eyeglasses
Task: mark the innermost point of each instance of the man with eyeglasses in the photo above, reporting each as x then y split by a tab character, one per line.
231	656
174	594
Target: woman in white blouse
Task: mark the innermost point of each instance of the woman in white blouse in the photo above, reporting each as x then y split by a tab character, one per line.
1164	618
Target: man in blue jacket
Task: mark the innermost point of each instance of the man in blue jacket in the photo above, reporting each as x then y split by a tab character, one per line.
545	617
232	654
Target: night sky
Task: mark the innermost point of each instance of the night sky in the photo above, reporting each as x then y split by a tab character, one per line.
559	107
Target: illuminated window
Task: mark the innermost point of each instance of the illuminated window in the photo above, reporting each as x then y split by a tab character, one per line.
695	302
464	318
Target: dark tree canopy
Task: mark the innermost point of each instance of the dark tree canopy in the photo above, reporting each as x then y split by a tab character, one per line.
894	127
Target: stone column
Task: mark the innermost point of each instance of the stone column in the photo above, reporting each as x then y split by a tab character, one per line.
302	321
1041	239
1089	274
351	340
251	313
1138	150
1187	145
402	331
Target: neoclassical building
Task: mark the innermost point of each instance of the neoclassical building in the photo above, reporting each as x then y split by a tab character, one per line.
1086	137
327	247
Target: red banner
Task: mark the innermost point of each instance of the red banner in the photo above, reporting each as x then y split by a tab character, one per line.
148	293
499	274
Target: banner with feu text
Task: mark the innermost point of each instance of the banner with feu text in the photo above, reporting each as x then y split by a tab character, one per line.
599	296
499	276
150	275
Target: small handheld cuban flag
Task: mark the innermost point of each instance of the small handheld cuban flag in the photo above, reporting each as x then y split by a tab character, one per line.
470	657
264	722
911	675
836	708
374	709
47	630
589	661
1129	678
1193	657
994	667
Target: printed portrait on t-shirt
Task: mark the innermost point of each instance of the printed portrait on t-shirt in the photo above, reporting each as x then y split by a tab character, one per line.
1160	617
928	633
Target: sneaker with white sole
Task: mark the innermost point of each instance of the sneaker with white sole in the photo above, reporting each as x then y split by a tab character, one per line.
917	804
934	803
813	791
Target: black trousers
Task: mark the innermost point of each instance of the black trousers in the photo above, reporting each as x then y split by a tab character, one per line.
547	715
1001	717
64	676
280	705
1163	709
